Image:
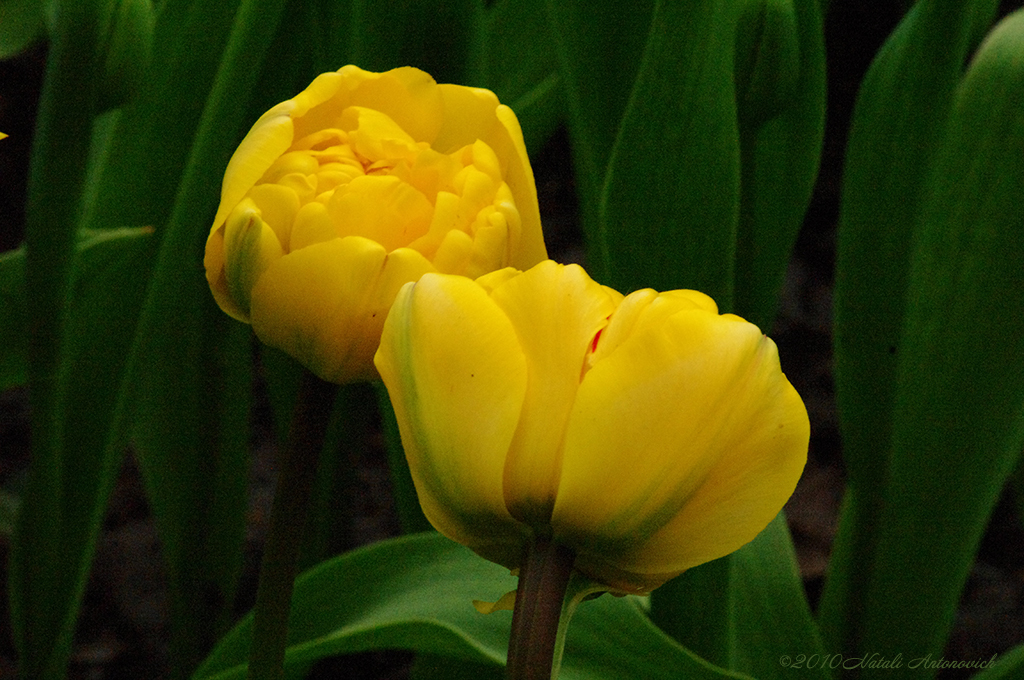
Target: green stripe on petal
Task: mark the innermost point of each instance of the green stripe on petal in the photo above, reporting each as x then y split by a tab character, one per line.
457	405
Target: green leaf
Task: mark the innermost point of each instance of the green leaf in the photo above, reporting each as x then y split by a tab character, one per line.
1007	667
44	592
670	200
154	132
779	157
22	25
958	418
415	593
520	65
901	110
770	613
598	46
189	383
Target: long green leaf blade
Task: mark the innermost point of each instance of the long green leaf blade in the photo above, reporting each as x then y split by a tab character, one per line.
598	46
670	198
958	421
43	593
901	109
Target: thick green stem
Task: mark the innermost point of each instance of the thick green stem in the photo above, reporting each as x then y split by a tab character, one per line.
297	477
535	645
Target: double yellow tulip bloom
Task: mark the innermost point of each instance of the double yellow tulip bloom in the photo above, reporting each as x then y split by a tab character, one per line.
646	432
360	183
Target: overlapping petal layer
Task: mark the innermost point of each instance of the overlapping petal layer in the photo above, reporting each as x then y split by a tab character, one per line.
435	175
648	433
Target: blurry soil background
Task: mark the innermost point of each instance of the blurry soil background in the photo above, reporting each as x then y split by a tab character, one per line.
123	627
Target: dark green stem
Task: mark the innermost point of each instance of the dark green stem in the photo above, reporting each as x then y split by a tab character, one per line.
534	640
297	477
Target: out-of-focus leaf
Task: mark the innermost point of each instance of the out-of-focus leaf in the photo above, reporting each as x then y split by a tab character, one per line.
779	156
415	593
21	26
670	200
13	320
898	120
125	49
770	613
434	667
154	132
958	418
1007	667
99	254
433	35
45	583
520	65
189	380
599	46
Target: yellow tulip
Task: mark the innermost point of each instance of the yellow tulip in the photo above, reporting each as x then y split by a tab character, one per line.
361	183
648	433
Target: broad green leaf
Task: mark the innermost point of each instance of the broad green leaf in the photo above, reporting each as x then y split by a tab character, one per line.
599	46
901	110
670	199
154	132
778	157
102	257
189	372
415	593
770	613
958	419
518	62
434	35
21	26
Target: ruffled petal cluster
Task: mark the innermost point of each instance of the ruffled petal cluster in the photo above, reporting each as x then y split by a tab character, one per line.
361	183
647	432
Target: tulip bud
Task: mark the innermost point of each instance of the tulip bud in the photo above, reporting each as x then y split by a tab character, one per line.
647	433
361	183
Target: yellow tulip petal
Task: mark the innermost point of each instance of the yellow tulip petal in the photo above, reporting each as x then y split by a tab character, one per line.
506	602
278	205
266	141
556	310
313	224
320	304
647	308
374	135
660	425
381	208
469	115
409	96
213	261
250	247
457	404
473	114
